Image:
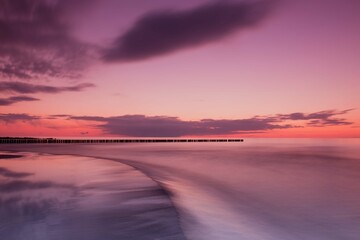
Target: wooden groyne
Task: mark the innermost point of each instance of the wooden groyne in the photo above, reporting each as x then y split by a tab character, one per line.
56	140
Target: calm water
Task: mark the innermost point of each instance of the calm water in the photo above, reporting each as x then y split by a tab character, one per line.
269	189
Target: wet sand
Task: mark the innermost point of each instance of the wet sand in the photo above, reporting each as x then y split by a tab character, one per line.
46	197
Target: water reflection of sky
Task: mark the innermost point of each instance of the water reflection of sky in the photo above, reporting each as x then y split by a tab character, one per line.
259	189
66	197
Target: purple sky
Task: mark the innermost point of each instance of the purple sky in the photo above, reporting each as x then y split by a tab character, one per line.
228	61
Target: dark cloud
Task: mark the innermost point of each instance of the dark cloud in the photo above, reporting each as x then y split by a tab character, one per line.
322	118
159	33
164	126
16	99
14	117
10	156
35	40
21	87
8	173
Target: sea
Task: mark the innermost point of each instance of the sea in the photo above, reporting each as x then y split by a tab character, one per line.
259	189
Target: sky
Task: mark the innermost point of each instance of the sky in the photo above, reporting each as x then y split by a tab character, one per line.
199	68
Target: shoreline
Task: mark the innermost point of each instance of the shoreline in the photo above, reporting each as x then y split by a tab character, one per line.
127	196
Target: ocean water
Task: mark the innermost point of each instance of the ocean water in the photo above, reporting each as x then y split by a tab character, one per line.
270	189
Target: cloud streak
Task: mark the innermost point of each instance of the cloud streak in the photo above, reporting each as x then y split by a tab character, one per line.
15	99
165	126
27	88
159	33
143	126
14	117
322	118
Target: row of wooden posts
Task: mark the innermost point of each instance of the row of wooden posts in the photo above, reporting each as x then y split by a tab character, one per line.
55	140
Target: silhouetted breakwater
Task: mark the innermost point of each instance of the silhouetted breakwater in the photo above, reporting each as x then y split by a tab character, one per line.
55	140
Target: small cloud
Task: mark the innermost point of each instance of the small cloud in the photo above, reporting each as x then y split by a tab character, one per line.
16	99
319	119
14	117
56	116
27	88
88	118
159	33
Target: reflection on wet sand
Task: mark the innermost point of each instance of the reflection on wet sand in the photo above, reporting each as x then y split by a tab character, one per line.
46	197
